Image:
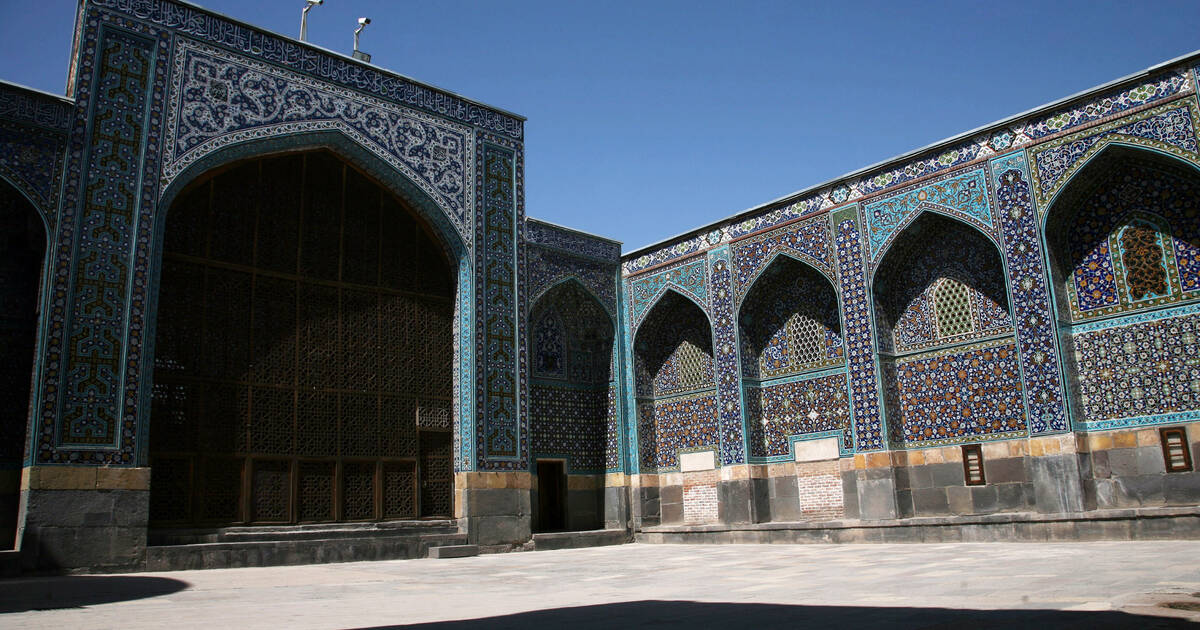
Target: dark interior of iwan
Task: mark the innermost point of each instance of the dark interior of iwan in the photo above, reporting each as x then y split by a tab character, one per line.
303	359
22	247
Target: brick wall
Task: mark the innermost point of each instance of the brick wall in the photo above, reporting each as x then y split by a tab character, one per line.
700	497
819	486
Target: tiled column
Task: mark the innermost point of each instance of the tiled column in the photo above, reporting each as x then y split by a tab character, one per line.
76	509
1056	474
875	485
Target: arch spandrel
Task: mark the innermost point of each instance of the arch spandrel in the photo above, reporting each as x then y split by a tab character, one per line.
221	100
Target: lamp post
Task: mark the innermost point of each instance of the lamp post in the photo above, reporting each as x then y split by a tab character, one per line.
358	54
308	4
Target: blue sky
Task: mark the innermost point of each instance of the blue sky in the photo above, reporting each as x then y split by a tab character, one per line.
647	119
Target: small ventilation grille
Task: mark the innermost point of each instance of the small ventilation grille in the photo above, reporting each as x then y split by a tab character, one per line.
1175	449
972	455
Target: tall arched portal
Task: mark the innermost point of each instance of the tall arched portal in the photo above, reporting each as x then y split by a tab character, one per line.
303	356
1124	241
571	337
791	335
946	337
22	250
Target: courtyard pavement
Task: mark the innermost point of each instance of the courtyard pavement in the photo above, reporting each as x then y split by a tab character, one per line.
982	585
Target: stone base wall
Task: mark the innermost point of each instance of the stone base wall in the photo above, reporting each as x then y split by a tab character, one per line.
1126	469
494	507
74	517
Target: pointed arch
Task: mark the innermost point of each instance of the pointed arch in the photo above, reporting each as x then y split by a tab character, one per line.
23	255
305	333
1107	194
1123	242
789	321
792	254
931	257
587	333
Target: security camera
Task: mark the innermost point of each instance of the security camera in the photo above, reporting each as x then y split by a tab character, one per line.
361	21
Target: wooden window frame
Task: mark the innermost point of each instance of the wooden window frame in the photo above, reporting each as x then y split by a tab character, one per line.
977	450
1187	450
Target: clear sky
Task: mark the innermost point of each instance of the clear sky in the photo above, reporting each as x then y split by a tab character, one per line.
647	119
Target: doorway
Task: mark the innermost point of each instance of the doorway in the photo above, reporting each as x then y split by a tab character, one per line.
552	496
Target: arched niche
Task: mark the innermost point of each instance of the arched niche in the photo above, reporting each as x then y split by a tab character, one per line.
22	254
790	328
572	393
303	355
1124	245
675	387
945	336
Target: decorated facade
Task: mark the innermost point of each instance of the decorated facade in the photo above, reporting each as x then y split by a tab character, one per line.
255	292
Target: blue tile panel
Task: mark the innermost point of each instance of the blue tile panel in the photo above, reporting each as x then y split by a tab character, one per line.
860	342
725	359
779	410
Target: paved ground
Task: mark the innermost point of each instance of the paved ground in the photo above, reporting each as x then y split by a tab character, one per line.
1084	585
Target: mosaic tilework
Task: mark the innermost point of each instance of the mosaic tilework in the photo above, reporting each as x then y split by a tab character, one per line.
1165	85
547	268
667	426
956	395
577	243
96	411
570	421
1137	370
860	346
288	53
1170	128
686	278
962	195
809	241
725	359
32	145
500	429
219	99
572	336
673	350
1031	305
1129	235
612	433
941	282
790	322
778	410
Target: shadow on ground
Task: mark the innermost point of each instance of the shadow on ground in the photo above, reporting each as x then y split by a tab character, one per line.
692	615
48	593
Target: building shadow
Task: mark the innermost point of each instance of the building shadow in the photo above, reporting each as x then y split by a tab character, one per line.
693	615
77	591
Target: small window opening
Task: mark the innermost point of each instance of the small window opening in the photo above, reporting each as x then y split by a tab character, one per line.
1175	449
972	456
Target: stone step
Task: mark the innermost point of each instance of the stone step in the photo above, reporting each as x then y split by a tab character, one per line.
575	540
320	531
225	555
454	551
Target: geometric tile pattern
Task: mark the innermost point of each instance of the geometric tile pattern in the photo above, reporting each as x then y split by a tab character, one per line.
1031	303
963	195
497	398
725	358
940	282
670	425
548	267
781	409
955	395
789	322
673	350
570	421
860	345
1169	128
92	405
1130	239
219	99
1133	369
809	241
209	27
